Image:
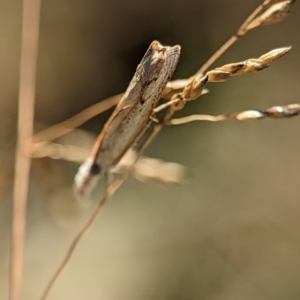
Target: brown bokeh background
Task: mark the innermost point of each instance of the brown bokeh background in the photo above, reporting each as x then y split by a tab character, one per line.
232	231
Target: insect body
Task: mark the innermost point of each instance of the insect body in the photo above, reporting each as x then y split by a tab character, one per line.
131	116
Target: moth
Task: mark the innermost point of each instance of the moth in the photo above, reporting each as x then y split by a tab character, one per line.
131	117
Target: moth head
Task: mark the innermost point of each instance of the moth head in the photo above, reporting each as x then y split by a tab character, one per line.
95	169
86	178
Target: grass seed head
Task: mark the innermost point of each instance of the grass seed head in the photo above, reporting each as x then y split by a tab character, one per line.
274	14
274	54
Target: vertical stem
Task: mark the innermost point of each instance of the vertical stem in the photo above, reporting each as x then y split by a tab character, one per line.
29	45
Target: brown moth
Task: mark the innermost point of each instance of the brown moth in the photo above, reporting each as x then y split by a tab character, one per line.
131	116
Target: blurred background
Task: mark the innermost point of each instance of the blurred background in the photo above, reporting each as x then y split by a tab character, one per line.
231	231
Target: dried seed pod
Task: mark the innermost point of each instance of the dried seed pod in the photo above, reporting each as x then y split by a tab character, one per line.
232	68
269	3
198	87
250	115
174	87
188	90
277	112
253	65
217	75
295	106
274	54
179	102
274	14
195	88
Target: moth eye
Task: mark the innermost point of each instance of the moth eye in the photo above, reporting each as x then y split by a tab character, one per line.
95	169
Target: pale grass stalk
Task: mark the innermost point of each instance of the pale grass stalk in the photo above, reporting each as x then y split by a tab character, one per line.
275	112
30	32
68	125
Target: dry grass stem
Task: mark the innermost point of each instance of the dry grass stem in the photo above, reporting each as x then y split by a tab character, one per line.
275	112
68	125
146	169
30	32
59	151
274	14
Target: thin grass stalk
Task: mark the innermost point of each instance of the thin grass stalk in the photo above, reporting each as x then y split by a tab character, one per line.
29	46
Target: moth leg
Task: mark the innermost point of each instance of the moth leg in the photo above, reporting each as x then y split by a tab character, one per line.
153	119
108	179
